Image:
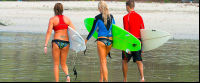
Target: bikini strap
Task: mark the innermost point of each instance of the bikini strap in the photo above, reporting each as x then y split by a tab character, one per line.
61	19
96	40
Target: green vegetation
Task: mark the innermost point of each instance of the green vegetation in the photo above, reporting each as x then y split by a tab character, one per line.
122	1
8	0
88	0
167	1
20	0
148	2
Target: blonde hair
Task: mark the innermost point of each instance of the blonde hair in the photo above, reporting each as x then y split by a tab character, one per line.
104	9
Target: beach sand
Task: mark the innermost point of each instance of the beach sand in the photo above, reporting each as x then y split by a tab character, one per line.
181	20
22	35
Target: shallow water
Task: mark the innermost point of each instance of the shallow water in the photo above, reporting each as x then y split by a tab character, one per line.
22	60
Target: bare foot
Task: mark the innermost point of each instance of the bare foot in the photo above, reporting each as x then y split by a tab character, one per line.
125	80
68	79
100	81
142	80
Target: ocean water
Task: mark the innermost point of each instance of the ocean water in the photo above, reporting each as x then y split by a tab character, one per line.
22	59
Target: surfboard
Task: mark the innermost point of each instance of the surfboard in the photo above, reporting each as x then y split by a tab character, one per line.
122	39
152	39
77	43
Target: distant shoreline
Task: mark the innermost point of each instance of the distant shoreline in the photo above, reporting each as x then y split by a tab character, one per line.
92	6
179	19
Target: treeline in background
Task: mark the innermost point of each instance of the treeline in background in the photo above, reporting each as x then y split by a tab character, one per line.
146	1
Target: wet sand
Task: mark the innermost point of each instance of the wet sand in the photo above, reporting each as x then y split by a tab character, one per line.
23	60
22	39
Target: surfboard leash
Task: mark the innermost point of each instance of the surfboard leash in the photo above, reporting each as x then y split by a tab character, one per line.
74	69
75	73
85	51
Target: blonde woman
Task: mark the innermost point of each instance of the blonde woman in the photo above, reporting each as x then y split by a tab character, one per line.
60	44
104	23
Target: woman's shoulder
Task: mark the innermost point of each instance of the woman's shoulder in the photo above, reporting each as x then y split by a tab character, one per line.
65	17
52	19
111	15
98	16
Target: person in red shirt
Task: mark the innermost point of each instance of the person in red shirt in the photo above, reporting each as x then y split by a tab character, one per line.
133	22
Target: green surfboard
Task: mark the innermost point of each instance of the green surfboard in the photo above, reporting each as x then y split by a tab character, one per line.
122	39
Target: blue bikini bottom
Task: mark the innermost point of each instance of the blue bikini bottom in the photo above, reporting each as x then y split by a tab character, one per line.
61	44
107	42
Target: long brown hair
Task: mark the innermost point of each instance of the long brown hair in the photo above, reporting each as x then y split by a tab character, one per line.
58	9
104	9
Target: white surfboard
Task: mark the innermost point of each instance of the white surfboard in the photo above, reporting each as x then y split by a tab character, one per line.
152	39
77	43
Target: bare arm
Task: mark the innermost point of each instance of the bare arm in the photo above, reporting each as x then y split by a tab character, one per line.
69	22
71	25
48	34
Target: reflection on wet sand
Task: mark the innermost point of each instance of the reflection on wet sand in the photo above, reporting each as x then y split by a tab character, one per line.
22	60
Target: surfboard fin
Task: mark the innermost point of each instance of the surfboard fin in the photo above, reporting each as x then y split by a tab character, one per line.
134	45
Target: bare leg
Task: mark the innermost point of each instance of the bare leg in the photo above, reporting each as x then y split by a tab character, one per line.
105	70
56	56
125	69
140	67
103	62
63	58
108	48
101	73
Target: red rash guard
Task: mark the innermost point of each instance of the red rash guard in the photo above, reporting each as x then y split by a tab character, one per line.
133	22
